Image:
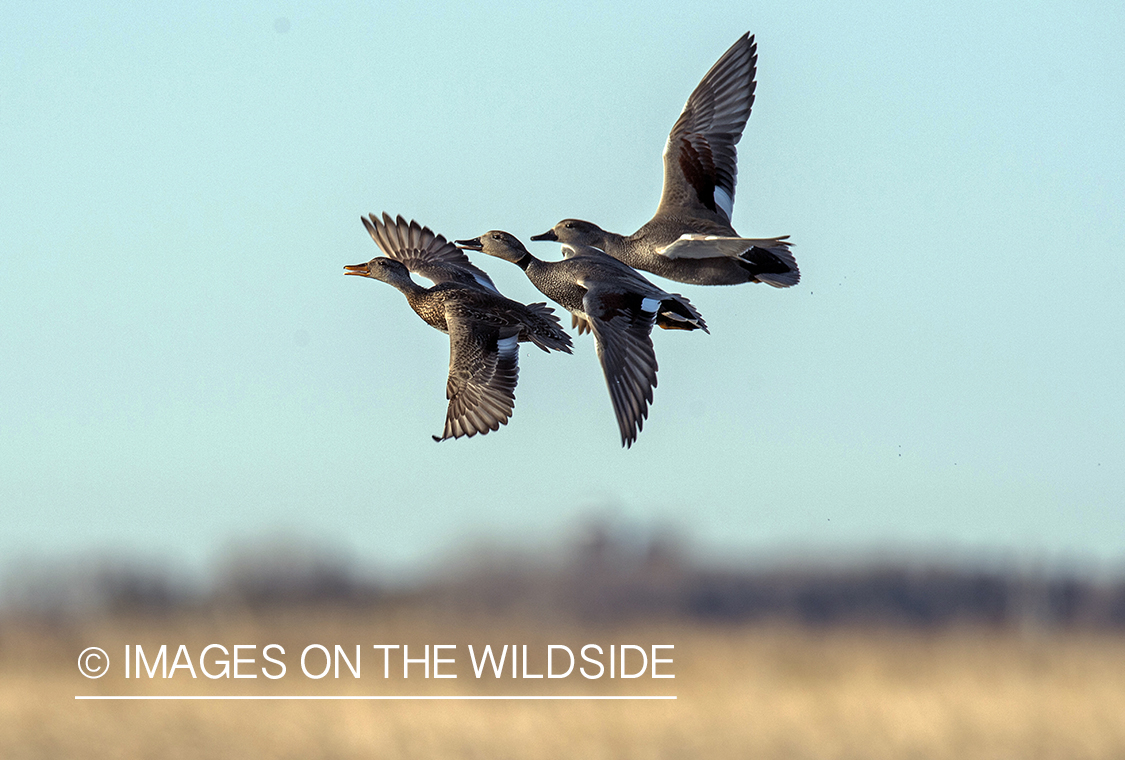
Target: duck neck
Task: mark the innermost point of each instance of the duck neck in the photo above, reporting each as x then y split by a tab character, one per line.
612	238
620	247
412	290
525	261
540	273
611	241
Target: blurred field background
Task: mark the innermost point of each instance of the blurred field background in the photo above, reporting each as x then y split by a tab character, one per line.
875	659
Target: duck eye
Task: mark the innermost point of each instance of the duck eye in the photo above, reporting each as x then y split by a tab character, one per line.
495	235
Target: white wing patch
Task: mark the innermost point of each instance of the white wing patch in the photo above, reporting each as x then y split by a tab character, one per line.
485	283
508	347
724	201
714	246
650	305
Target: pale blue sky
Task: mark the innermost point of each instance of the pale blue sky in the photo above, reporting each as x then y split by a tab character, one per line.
184	364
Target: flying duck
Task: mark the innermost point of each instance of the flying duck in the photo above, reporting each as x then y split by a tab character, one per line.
614	302
484	327
690	239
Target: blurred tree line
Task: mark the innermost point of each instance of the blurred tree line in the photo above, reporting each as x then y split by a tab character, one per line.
605	574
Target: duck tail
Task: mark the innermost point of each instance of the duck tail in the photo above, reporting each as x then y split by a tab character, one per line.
677	313
545	331
771	262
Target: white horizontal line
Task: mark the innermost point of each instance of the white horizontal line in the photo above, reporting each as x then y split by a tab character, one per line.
365	696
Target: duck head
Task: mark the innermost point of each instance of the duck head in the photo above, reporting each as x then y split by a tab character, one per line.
502	245
381	268
575	232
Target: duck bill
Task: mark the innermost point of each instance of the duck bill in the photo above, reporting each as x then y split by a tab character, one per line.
469	245
548	235
363	270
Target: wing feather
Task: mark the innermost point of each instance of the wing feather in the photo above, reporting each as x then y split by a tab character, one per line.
622	335
483	370
425	253
700	159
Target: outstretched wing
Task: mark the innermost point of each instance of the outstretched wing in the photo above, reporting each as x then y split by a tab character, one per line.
622	327
424	252
483	369
700	160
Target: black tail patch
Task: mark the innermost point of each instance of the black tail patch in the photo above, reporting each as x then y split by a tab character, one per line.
761	261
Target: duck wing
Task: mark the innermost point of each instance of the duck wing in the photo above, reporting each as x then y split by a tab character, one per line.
483	369
622	326
700	160
768	259
425	253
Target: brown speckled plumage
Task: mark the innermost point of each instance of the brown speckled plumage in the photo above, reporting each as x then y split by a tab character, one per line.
484	327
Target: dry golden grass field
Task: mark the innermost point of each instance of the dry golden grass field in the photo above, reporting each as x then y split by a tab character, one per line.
742	692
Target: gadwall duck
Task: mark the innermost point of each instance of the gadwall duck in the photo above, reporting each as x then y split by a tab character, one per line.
614	302
690	239
484	327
